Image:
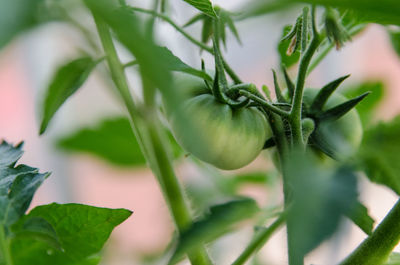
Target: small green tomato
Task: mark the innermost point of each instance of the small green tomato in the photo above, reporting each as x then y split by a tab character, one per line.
227	138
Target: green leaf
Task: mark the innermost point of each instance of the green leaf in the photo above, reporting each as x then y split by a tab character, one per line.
394	259
359	215
382	11
224	21
207	30
283	46
204	6
112	140
14	204
15	17
220	220
258	8
8	175
378	154
320	197
17	184
395	39
367	107
234	183
66	81
176	64
9	154
39	229
82	231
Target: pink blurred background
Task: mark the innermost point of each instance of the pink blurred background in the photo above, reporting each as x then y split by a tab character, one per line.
27	64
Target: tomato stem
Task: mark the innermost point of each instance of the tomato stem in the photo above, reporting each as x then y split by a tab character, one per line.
264	103
376	249
150	140
295	114
259	240
296	125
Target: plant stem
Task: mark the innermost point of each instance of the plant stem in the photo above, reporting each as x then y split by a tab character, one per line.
5	247
295	114
259	240
264	103
376	249
130	63
296	130
151	143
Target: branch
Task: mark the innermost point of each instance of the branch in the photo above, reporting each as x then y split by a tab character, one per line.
259	240
376	249
264	103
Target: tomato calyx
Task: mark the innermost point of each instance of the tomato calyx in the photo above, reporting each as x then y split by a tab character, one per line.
331	114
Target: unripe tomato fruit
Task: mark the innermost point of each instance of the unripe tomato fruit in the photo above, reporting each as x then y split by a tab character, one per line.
229	138
341	137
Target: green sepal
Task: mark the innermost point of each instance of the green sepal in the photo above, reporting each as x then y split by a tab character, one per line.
335	31
220	85
340	110
296	41
278	91
291	33
324	94
289	82
225	21
204	6
207	30
67	80
194	19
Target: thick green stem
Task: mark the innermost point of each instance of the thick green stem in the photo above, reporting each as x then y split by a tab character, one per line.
376	249
295	115
259	240
151	143
5	247
296	129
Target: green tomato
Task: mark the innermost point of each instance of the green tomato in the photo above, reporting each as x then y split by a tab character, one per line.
226	138
341	137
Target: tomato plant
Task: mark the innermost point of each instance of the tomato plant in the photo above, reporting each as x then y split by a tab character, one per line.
221	122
